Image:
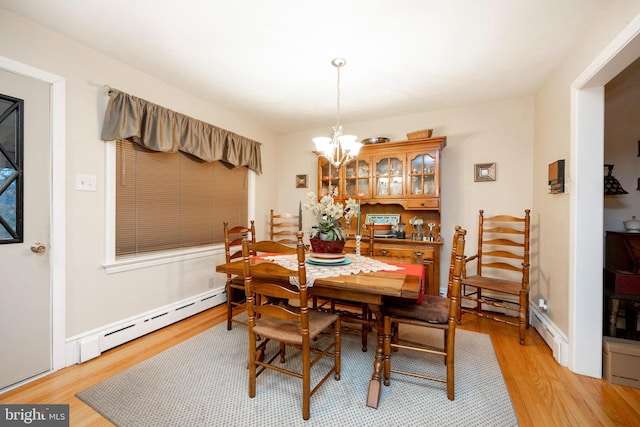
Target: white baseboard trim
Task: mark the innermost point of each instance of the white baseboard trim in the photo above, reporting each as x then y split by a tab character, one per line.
550	333
91	344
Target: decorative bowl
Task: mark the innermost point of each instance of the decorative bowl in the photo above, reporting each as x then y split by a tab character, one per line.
632	225
382	229
375	140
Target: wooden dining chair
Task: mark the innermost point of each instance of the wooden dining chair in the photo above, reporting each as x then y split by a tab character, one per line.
357	313
296	327
235	284
502	270
283	227
434	312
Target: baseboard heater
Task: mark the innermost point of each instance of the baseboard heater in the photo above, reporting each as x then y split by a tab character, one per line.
551	335
91	344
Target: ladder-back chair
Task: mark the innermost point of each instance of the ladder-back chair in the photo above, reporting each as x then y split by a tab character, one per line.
298	327
502	270
283	227
235	284
434	312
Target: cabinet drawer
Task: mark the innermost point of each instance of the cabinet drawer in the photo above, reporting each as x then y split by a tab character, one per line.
418	253
426	203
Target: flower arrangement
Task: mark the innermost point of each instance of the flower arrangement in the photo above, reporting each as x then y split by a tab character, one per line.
329	215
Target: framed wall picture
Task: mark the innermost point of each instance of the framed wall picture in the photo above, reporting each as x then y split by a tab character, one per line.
301	181
485	172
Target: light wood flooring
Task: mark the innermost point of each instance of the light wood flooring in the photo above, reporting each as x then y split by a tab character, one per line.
543	393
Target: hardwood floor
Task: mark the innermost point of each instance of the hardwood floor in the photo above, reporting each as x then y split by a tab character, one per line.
543	393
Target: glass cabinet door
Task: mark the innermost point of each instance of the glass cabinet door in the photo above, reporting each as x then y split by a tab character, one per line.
388	176
357	179
329	181
423	174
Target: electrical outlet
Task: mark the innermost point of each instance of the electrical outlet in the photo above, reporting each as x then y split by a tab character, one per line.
211	282
85	182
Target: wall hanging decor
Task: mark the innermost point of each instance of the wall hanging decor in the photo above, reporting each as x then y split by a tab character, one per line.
301	181
485	172
556	177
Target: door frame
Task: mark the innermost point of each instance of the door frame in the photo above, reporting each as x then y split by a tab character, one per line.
587	200
57	213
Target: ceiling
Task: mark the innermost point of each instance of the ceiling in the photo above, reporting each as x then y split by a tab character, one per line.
270	61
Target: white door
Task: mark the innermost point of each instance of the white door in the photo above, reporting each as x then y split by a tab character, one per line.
25	285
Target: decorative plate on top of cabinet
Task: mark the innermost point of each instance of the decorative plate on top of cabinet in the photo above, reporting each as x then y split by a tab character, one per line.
375	140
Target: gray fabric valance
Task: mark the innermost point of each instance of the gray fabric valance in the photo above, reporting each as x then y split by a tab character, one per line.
160	129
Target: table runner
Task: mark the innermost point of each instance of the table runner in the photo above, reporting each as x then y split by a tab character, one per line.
358	264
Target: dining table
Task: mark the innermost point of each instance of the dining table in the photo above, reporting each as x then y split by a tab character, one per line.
368	280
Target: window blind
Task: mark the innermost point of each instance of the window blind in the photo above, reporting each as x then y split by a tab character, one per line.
170	201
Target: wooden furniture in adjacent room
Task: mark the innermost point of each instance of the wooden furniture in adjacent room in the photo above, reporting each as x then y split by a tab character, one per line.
400	179
622	282
434	312
235	284
298	327
283	227
502	270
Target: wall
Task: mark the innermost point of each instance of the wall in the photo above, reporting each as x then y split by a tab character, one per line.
94	298
554	130
500	132
621	146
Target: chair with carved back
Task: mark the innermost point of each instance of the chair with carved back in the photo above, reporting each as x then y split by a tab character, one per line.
235	284
433	312
283	227
502	271
297	327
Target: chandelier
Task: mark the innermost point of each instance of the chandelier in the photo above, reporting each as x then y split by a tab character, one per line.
339	149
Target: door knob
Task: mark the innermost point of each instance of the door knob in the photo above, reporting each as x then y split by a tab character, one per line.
38	248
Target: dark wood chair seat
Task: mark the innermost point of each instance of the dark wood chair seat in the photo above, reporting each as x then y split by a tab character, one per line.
432	309
434	312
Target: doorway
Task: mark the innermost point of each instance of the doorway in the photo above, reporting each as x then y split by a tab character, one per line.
587	202
57	208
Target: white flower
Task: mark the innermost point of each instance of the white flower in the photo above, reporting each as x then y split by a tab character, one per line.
329	215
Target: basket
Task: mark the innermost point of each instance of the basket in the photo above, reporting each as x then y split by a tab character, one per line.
419	134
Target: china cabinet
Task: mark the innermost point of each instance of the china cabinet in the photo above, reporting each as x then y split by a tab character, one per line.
396	180
406	173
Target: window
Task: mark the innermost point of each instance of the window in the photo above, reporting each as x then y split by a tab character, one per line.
11	169
168	201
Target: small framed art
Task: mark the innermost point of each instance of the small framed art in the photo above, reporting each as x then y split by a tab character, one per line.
301	181
485	172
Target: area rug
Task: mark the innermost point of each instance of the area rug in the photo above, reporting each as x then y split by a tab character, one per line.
203	382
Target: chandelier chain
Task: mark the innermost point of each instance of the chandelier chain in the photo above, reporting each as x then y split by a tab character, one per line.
338	91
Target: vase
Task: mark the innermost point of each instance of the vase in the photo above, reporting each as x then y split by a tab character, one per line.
327	246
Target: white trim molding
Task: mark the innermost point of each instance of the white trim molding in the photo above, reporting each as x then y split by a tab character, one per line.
551	334
88	345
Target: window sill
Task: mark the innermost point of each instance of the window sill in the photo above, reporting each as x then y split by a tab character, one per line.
160	258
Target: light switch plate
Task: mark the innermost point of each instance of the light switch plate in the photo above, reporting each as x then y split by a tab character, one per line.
85	182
